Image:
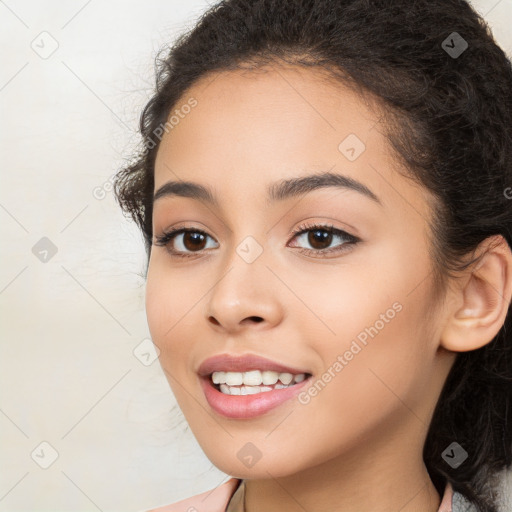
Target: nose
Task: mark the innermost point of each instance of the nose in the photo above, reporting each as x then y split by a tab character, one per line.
244	296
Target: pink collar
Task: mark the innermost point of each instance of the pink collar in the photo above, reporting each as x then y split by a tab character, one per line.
216	500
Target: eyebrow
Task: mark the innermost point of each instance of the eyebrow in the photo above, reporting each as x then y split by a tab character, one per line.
278	191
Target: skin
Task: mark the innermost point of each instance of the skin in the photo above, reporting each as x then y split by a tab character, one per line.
358	444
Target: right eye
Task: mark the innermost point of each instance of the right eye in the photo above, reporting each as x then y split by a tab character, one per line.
183	242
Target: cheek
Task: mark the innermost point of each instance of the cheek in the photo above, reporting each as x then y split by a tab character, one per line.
374	341
169	309
159	306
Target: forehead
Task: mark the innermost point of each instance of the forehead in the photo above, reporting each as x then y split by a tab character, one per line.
252	128
286	108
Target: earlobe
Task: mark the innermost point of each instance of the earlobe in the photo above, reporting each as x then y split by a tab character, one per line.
481	303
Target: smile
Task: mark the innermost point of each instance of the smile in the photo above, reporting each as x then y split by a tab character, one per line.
243	401
254	381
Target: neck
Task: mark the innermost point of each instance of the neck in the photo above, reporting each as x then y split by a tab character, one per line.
381	478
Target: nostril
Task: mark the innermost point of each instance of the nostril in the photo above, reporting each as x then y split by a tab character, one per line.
256	319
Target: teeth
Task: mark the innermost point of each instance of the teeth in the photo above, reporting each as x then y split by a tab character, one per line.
269	377
285	378
250	383
252	378
219	377
234	378
246	390
255	378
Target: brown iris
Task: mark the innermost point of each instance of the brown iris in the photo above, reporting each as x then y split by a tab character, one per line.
318	237
196	240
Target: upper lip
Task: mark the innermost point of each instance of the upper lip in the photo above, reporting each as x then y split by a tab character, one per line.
243	363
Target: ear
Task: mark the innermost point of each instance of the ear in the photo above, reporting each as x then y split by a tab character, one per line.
480	303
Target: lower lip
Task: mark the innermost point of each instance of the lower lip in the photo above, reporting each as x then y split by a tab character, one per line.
247	406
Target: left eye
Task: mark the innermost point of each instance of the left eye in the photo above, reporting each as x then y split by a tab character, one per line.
319	236
185	242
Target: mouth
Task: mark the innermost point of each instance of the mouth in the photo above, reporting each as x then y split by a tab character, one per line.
257	393
243	386
254	381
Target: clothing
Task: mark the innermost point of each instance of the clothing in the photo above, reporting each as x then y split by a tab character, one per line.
229	497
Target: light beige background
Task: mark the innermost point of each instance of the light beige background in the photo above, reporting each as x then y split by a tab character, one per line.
74	365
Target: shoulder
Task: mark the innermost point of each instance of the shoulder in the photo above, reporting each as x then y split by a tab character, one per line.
214	500
453	501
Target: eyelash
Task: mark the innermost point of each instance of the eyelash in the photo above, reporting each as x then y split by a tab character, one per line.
350	240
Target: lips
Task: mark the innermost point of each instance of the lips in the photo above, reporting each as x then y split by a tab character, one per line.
254	400
244	363
248	406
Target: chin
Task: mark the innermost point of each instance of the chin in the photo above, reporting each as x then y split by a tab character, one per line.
280	465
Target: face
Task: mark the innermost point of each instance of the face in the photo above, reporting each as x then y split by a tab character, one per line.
333	280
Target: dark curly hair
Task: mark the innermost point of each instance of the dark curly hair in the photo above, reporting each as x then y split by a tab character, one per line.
448	118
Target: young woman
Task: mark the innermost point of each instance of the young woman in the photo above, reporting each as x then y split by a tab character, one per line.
324	190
